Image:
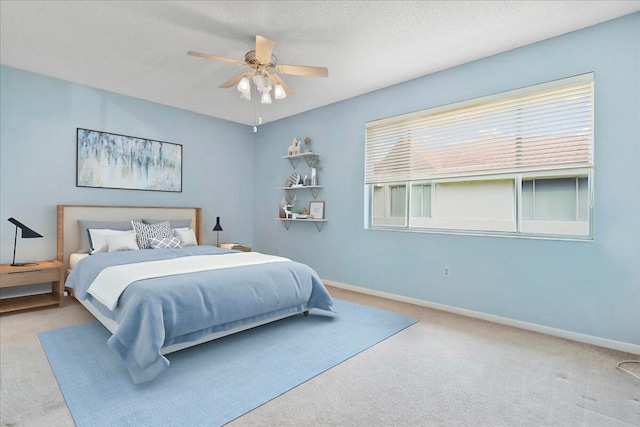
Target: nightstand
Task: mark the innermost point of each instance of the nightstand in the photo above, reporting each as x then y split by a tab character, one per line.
31	274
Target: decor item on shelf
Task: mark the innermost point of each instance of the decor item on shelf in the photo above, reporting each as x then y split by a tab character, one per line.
307	141
294	148
314	164
281	212
217	228
107	160
287	210
27	233
316	209
307	181
293	179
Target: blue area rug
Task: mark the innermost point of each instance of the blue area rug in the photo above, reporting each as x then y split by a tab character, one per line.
216	382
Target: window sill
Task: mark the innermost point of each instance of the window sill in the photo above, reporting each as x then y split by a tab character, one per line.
475	233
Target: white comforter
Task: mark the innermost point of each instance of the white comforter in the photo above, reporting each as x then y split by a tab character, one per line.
112	281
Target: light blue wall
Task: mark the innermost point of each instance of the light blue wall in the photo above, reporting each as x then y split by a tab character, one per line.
591	288
38	120
584	287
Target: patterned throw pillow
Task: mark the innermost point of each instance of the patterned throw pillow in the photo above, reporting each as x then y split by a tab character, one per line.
146	232
166	243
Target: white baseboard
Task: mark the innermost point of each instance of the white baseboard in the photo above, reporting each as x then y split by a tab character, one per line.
561	333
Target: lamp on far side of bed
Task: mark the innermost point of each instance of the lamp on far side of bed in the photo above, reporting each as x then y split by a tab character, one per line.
27	233
217	229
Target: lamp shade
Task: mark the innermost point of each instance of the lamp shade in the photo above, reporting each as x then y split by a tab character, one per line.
244	86
279	92
27	233
265	98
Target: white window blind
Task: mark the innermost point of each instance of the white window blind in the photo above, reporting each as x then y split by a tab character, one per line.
544	127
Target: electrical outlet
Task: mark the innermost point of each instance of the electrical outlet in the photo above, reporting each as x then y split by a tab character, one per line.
446	272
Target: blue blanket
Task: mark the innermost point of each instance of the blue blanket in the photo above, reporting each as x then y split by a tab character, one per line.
155	313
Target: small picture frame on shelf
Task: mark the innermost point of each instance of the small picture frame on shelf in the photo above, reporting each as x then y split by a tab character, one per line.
316	209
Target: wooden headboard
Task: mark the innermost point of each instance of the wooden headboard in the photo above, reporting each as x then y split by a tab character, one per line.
69	230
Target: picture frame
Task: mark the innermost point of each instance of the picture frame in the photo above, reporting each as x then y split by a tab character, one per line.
316	209
109	160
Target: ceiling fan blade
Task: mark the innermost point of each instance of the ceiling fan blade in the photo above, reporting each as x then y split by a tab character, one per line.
264	48
232	82
216	58
302	70
275	79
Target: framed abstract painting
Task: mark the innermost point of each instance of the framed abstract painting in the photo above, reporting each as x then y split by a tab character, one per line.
107	160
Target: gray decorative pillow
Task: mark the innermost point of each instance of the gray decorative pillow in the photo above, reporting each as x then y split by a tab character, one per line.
146	232
166	243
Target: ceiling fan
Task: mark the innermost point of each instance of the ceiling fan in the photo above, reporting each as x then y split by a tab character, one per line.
264	66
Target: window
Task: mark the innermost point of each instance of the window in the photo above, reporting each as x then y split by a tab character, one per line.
420	200
556	205
398	200
516	163
389	204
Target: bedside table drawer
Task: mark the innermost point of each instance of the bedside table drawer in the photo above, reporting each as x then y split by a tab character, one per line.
29	277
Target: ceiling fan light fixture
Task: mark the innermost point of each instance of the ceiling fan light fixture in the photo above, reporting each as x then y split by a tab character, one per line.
266	97
261	61
278	92
244	86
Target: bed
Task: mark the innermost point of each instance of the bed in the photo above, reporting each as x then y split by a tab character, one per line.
162	299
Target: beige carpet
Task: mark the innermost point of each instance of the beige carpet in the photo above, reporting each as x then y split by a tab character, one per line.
446	370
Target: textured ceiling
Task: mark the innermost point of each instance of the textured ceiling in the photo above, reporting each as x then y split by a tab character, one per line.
139	48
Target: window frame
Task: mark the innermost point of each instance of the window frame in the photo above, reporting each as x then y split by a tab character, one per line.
522	228
527	228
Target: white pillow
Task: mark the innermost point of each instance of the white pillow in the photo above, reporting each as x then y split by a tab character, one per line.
186	235
122	242
98	238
